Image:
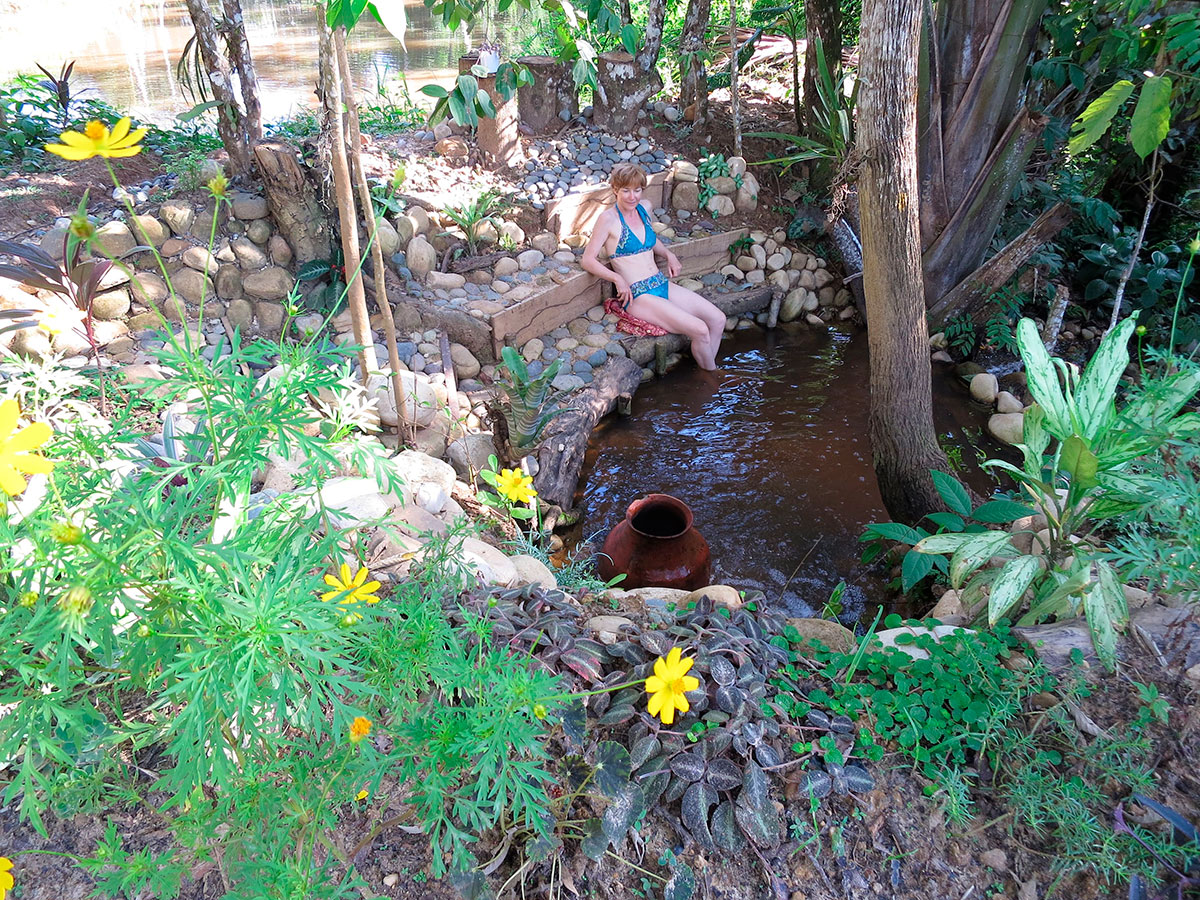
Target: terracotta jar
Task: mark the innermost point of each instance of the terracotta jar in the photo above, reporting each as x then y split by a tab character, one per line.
656	546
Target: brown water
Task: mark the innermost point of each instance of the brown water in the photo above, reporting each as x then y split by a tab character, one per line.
126	50
772	455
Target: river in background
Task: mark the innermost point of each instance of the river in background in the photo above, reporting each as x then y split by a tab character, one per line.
126	50
772	455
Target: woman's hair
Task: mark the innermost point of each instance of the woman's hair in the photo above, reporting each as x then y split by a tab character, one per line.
627	174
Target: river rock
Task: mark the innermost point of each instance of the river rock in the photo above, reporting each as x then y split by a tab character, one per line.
720	205
420	220
830	634
201	260
469	454
901	638
191	284
446	281
722	184
684	172
949	605
248	207
531	570
178	215
984	388
721	595
150	230
1008	428
420	402
792	305
229	282
259	231
506	265
112	305
270	317
1007	403
271	283
420	257
249	254
746	198
389	239
114	239
512	231
530	259
608	628
465	363
658	603
239	312
686	195
546	242
490	564
454	148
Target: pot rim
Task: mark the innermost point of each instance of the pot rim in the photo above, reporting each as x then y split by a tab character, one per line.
664	500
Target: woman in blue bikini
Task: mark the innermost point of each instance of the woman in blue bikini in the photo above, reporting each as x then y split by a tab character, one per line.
642	290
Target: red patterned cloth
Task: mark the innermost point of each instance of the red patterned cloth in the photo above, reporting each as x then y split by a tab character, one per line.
631	324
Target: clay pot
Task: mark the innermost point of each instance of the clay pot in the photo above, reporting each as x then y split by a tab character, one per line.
656	546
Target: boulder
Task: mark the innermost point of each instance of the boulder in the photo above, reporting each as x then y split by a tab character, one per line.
389	239
506	265
270	317
52	242
259	231
721	595
531	570
737	166
191	285
201	260
248	207
356	501
720	205
229	282
1007	403
512	231
446	281
902	638
792	305
113	305
420	402
830	634
249	254
114	239
151	231
545	242
465	363
178	215
686	195
657	603
746	198
453	148
723	184
684	172
490	564
530	259
984	388
469	454
271	283
420	220
421	257
1008	428
239	312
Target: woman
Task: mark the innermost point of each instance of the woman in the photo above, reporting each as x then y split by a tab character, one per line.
642	291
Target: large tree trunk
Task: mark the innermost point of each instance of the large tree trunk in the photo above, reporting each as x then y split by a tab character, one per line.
216	69
970	296
625	82
974	141
903	441
693	76
823	24
552	91
293	201
239	52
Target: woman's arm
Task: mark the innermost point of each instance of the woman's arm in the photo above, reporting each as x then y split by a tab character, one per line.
590	263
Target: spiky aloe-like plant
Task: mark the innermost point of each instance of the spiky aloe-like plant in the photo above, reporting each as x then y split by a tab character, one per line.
523	406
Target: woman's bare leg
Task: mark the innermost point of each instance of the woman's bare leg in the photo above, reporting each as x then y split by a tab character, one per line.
700	307
672	316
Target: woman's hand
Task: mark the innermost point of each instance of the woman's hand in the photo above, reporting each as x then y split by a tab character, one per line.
673	265
624	294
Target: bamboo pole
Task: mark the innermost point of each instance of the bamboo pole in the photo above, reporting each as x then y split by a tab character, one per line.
364	199
355	293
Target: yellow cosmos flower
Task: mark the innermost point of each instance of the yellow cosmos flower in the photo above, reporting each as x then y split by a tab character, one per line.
97	140
58	320
359	729
351	590
6	879
16	460
515	486
668	685
361	795
218	186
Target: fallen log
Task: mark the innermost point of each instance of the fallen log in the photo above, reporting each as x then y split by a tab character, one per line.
560	454
1176	633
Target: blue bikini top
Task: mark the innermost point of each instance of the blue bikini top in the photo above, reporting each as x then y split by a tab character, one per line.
628	244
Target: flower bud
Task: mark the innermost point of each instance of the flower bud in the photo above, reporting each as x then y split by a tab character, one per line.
218	186
66	533
539	710
1194	245
29	599
81	227
1141	330
143	630
77	601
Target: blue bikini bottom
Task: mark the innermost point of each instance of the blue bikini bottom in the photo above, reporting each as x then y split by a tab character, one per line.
656	285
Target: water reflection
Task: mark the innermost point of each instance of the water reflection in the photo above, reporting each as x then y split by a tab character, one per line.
127	49
773	457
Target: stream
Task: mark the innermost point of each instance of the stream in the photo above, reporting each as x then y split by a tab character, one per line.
772	455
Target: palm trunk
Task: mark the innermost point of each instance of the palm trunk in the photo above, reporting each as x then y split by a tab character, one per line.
903	440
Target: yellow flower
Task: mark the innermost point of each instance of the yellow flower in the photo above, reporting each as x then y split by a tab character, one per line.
359	729
218	186
6	879
66	533
58	319
361	795
15	446
515	485
97	140
354	588
668	685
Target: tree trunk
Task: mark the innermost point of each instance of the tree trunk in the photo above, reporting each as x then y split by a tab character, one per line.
624	82
734	109
229	117
239	51
377	261
348	223
552	91
693	77
293	201
971	294
903	441
823	23
974	142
